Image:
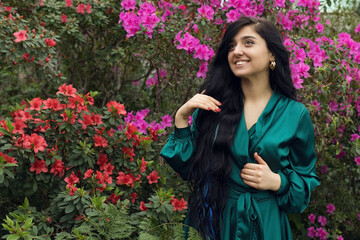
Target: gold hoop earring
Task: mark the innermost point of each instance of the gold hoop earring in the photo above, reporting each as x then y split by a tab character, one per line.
272	65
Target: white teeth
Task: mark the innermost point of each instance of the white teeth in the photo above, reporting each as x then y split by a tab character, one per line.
241	62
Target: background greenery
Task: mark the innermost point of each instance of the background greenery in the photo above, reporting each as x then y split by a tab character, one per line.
93	53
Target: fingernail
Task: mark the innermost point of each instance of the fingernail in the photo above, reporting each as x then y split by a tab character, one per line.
220	103
208	108
218	110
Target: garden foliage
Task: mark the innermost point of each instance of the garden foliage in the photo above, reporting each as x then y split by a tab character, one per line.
75	170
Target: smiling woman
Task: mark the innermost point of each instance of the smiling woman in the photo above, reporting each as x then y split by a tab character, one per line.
249	153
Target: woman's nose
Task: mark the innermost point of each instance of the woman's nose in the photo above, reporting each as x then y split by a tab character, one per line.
238	50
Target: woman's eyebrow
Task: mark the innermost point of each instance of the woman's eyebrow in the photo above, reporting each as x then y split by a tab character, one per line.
243	38
246	37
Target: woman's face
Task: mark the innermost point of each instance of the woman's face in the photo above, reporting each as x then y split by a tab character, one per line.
248	55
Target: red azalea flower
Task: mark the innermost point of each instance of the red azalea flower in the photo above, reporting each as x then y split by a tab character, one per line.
58	168
20	36
68	3
107	178
88	173
34	142
130	131
72	179
142	206
96	118
68	90
63	18
154	135
129	152
108	168
38	166
80	8
7	158
87	121
35	104
19	126
116	108
25	56
153	177
102	159
126	179
88	8
100	141
110	133
133	197
22	115
99	177
50	42
143	165
53	104
72	189
114	198
178	204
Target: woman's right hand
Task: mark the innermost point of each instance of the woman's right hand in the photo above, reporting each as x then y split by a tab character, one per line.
199	100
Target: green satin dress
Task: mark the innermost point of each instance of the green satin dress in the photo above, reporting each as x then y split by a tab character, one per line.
284	137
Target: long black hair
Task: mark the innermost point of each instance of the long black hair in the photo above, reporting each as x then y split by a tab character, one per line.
211	163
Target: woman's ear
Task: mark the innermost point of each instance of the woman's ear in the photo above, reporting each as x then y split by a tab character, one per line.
272	57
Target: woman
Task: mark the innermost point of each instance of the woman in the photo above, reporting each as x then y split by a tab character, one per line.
249	152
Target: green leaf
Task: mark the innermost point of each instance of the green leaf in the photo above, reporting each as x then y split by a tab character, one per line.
26	204
28	224
34	186
69	208
13	237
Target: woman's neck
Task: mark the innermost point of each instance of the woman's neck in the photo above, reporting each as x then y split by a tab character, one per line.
255	91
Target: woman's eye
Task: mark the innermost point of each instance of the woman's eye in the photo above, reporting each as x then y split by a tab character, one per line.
232	46
249	42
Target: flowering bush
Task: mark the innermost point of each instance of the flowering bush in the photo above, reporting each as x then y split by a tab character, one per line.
82	169
145	53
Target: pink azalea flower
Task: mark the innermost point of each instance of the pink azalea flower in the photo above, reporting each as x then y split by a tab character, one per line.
340	238
131	23
322	220
279	3
319	27
323	169
357	160
321	233
333	106
20	36
354	137
330	208
206	12
312	217
357	29
188	42
202	70
128	4
152	81
203	52
311	232
166	121
316	105
232	16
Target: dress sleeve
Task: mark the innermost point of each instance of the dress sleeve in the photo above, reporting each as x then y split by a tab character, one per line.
180	148
299	178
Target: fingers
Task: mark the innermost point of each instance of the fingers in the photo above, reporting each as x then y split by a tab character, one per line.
205	102
259	159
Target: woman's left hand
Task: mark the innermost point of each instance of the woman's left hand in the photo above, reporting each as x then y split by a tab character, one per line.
260	176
